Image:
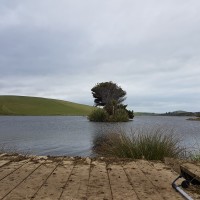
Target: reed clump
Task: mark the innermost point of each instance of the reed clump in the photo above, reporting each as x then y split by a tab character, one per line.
153	144
98	115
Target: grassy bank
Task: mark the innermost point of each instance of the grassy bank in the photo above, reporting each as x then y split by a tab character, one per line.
23	105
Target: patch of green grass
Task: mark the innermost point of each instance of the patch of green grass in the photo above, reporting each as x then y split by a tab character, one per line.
23	105
154	144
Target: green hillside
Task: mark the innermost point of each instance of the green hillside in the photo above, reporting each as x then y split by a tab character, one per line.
23	105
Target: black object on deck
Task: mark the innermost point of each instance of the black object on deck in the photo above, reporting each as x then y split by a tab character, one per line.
190	178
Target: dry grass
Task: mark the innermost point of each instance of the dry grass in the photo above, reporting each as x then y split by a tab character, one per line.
151	144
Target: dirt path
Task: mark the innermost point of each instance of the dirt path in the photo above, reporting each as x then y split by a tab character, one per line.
62	178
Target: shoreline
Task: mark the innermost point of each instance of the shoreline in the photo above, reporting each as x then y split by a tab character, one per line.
194	119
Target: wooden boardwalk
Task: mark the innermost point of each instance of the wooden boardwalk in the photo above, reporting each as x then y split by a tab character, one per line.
62	178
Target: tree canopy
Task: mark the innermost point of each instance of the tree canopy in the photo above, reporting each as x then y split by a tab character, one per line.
107	92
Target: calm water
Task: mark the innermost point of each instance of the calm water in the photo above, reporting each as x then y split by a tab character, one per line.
75	135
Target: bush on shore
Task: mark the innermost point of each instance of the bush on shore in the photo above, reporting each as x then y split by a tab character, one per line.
150	145
101	115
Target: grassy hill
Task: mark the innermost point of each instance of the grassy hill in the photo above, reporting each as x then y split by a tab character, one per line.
23	105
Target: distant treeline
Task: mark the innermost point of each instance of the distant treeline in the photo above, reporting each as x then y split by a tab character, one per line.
181	113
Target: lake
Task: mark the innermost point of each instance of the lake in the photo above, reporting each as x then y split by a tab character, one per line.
74	136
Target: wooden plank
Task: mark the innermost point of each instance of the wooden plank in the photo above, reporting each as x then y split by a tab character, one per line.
13	180
161	178
99	187
3	154
141	184
10	168
76	187
191	191
119	183
32	183
58	179
3	162
174	163
52	188
192	170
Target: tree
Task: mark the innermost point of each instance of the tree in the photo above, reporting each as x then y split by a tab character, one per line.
129	112
108	94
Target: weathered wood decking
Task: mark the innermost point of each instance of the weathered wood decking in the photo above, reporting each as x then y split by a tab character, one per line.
62	178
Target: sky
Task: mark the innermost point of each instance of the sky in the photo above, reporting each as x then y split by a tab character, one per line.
61	49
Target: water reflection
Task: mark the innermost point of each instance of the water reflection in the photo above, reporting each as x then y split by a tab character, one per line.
75	136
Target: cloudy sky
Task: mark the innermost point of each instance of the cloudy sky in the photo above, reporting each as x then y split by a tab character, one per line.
61	49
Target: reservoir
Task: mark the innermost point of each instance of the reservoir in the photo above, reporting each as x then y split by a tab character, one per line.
75	136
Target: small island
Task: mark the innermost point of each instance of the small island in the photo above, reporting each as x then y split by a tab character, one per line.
108	97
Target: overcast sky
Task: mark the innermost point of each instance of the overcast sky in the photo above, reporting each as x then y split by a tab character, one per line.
61	49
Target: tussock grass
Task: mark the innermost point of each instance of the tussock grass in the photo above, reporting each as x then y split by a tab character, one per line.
98	115
152	144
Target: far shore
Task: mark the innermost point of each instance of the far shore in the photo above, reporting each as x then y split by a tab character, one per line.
194	119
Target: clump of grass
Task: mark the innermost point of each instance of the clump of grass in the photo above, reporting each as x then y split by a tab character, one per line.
98	115
154	144
120	115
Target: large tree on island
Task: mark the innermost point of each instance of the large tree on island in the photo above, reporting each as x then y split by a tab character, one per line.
109	95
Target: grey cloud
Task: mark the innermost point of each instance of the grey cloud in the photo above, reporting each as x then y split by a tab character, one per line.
62	49
32	51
